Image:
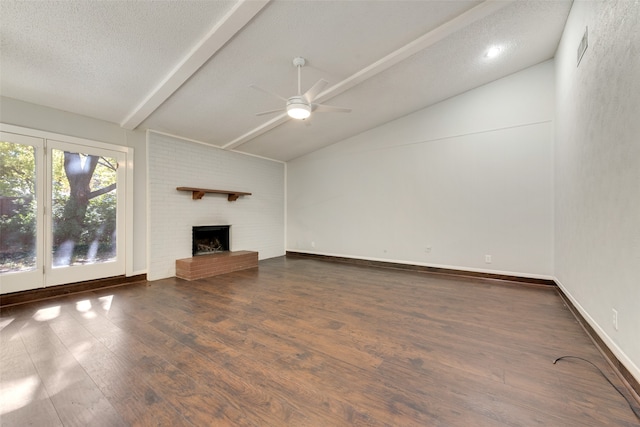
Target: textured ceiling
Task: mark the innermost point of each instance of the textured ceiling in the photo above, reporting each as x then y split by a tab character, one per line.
97	58
184	67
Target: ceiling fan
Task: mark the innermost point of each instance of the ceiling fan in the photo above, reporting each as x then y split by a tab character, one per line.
300	106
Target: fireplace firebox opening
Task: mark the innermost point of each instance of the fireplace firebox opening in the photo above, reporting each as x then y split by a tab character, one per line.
209	239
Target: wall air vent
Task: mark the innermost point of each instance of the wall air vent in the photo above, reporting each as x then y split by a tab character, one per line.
583	45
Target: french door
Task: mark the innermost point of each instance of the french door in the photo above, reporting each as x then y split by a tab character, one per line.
21	207
61	212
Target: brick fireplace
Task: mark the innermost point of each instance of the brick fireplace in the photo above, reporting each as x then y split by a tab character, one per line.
212	256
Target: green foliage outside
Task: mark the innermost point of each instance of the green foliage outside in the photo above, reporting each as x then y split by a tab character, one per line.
83	217
17	207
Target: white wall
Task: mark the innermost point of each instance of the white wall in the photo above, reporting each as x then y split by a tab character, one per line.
598	171
37	117
470	176
257	221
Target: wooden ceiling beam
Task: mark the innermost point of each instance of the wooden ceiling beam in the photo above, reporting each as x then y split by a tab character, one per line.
461	21
239	15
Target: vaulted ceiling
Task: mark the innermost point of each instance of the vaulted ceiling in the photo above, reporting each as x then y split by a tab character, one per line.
185	67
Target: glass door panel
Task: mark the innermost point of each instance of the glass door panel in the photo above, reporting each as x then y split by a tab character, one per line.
21	217
86	223
84	206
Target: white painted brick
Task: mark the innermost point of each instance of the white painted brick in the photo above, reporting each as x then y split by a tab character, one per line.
257	221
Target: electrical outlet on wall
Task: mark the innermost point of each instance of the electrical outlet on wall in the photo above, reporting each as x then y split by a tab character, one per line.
487	259
615	319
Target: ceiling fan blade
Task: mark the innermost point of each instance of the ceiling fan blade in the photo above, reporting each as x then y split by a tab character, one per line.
322	108
269	92
311	94
279	110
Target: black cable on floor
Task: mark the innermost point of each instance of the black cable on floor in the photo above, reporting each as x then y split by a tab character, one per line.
635	410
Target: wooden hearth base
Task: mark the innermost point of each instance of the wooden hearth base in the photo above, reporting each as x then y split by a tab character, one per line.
199	267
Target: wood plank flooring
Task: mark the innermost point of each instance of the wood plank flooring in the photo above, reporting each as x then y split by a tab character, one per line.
301	342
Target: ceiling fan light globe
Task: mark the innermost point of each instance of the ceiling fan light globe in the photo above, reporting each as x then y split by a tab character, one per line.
298	110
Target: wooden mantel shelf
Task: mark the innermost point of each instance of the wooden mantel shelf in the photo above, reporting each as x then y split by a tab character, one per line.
197	193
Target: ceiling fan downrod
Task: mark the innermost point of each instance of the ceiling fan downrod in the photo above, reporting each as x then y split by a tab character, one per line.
299	62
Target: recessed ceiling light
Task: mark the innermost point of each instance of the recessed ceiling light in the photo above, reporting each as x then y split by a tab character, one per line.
493	52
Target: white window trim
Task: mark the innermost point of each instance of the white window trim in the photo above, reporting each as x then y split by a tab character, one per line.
129	156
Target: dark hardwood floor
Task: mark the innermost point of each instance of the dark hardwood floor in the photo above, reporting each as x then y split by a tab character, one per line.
301	342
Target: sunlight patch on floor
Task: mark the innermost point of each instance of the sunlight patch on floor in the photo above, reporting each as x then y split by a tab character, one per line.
17	393
84	305
5	322
45	314
106	302
85	308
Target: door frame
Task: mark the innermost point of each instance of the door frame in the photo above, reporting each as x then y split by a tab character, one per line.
79	273
128	152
